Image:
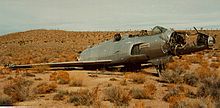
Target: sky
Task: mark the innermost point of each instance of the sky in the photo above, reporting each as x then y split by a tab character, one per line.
107	15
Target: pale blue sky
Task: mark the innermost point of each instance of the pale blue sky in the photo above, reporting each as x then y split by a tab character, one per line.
99	15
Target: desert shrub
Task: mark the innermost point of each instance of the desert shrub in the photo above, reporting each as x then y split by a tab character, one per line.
147	92
191	79
196	59
150	89
77	80
175	94
117	95
215	65
140	104
210	86
171	76
81	97
138	78
85	97
139	93
61	77
60	95
53	76
5	100
123	82
93	75
18	89
203	72
189	104
180	65
112	79
44	88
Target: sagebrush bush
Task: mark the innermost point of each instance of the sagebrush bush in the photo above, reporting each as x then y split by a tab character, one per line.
60	95
77	80
63	77
171	76
180	65
189	104
139	93
150	89
45	87
18	89
191	79
175	94
203	72
146	92
117	95
210	86
138	78
60	77
123	82
85	97
81	97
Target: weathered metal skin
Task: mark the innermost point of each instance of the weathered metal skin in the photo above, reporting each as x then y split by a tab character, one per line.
120	52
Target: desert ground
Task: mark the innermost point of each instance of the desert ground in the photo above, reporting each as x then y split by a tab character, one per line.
190	81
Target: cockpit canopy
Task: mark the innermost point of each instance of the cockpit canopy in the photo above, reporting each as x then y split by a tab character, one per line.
158	29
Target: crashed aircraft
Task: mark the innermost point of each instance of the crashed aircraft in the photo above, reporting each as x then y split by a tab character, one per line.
132	51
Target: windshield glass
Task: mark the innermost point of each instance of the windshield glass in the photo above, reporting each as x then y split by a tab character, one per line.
158	29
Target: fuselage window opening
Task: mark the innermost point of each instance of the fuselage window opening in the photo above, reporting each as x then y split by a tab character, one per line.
135	50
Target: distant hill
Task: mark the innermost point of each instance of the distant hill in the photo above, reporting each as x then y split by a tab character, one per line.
38	46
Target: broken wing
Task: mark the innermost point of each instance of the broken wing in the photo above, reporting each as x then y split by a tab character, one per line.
82	64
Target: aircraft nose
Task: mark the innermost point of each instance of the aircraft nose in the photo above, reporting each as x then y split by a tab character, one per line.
211	41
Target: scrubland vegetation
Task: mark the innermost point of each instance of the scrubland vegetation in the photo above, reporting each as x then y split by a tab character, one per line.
192	81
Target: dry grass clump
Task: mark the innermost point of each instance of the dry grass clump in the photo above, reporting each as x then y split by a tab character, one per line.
196	59
147	92
85	97
81	97
123	82
117	95
44	88
179	64
138	78
61	95
140	104
150	88
215	65
179	73
189	104
61	77
191	79
176	94
5	100
112	79
18	89
77	80
171	76
203	72
53	76
210	86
